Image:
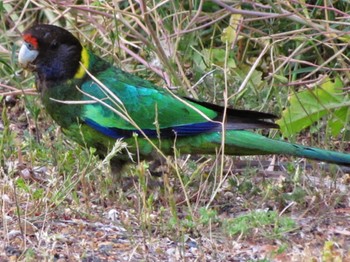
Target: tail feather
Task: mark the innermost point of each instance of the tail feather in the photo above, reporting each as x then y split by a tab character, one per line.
248	143
239	142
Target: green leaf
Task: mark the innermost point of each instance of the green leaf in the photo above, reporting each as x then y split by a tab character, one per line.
218	57
229	33
20	183
337	123
207	215
308	106
38	194
255	79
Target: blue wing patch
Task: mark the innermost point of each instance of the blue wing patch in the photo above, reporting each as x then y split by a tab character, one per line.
183	130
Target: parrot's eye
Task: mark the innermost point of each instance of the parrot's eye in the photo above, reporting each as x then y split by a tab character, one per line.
29	46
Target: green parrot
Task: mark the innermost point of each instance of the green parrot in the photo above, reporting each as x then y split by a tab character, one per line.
110	104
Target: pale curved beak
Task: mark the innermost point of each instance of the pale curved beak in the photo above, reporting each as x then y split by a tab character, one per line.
26	56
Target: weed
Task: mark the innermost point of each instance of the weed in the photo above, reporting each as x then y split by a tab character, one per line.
280	56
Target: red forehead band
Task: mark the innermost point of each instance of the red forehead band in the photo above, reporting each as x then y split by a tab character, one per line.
31	40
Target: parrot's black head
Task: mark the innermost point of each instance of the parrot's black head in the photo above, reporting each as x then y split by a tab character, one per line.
50	51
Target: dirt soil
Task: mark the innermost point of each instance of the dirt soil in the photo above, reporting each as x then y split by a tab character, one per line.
102	230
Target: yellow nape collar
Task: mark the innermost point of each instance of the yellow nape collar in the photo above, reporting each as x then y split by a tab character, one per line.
84	64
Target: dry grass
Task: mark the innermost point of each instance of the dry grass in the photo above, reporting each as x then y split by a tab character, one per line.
59	202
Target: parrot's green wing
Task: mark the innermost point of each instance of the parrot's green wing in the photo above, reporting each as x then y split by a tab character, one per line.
154	110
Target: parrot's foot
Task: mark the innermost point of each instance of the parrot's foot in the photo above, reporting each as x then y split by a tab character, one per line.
119	169
158	167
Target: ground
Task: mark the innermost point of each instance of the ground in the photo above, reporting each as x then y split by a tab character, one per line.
86	226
